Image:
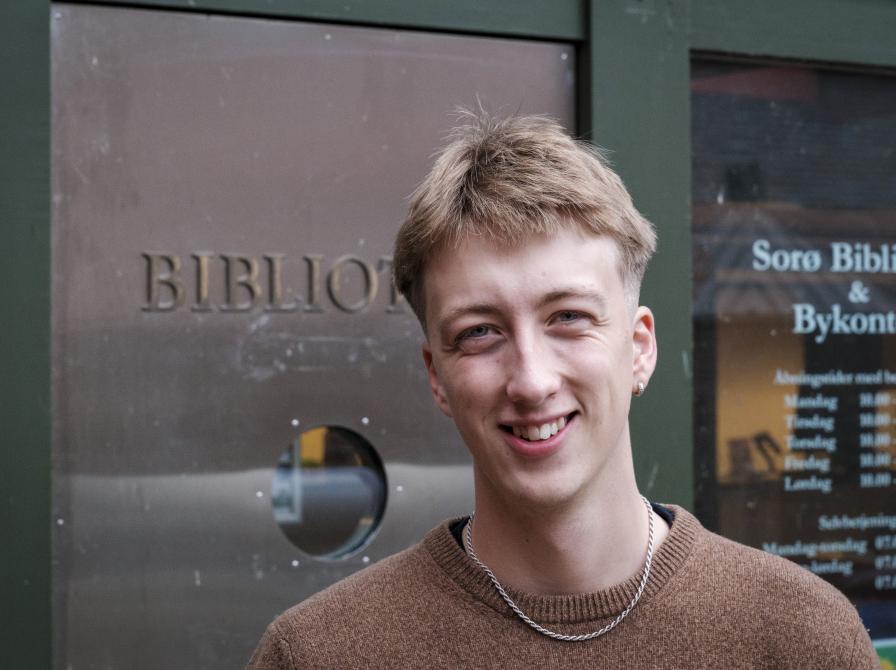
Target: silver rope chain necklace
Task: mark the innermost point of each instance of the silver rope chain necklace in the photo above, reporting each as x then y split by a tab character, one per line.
645	573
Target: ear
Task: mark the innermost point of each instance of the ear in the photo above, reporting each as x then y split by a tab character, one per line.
435	386
644	346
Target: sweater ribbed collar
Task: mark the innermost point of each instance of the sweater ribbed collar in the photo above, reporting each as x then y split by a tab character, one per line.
574	608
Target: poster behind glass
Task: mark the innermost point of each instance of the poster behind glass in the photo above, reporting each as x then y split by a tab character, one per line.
794	238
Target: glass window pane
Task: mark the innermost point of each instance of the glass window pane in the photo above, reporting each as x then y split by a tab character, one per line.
794	234
328	492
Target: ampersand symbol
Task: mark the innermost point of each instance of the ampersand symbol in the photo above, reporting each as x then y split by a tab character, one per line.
858	292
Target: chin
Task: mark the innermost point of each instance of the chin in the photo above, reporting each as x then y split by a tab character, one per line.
546	495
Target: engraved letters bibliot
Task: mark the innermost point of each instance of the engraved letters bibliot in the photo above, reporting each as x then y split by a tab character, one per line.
244	282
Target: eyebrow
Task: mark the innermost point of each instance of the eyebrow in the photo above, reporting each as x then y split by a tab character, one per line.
581	294
483	308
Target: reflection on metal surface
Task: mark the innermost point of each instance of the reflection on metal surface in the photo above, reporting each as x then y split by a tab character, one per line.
329	492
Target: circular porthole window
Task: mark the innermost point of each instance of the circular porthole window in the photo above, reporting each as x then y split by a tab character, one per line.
329	492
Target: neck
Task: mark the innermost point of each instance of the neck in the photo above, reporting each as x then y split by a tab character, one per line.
574	548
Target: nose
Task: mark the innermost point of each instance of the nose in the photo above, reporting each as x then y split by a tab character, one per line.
533	376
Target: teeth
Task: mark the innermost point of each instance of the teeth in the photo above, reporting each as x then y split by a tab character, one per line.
542	432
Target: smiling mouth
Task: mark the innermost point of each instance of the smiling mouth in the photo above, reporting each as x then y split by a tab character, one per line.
538	432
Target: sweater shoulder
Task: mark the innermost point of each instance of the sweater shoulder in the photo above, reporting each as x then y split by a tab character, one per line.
755	573
796	614
384	580
344	622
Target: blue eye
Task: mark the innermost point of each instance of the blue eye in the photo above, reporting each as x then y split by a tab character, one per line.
474	332
476	339
568	316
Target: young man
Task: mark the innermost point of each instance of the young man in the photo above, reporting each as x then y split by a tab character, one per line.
522	256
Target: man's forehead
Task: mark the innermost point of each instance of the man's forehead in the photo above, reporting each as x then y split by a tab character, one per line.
485	247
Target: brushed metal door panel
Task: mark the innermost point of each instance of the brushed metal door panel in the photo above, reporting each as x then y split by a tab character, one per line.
225	194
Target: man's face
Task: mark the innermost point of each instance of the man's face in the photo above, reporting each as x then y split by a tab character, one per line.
534	352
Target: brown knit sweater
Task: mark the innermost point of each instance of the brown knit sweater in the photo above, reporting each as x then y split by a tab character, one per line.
710	603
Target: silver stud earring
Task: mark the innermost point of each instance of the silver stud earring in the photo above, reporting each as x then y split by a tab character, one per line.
640	390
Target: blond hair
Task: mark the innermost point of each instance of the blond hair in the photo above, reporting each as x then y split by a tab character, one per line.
504	180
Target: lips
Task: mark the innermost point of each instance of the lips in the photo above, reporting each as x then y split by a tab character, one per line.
547	436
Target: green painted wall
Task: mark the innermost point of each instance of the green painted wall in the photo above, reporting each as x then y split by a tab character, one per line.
638	92
545	19
25	335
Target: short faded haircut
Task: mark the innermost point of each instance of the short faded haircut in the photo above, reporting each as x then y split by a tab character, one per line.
504	180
